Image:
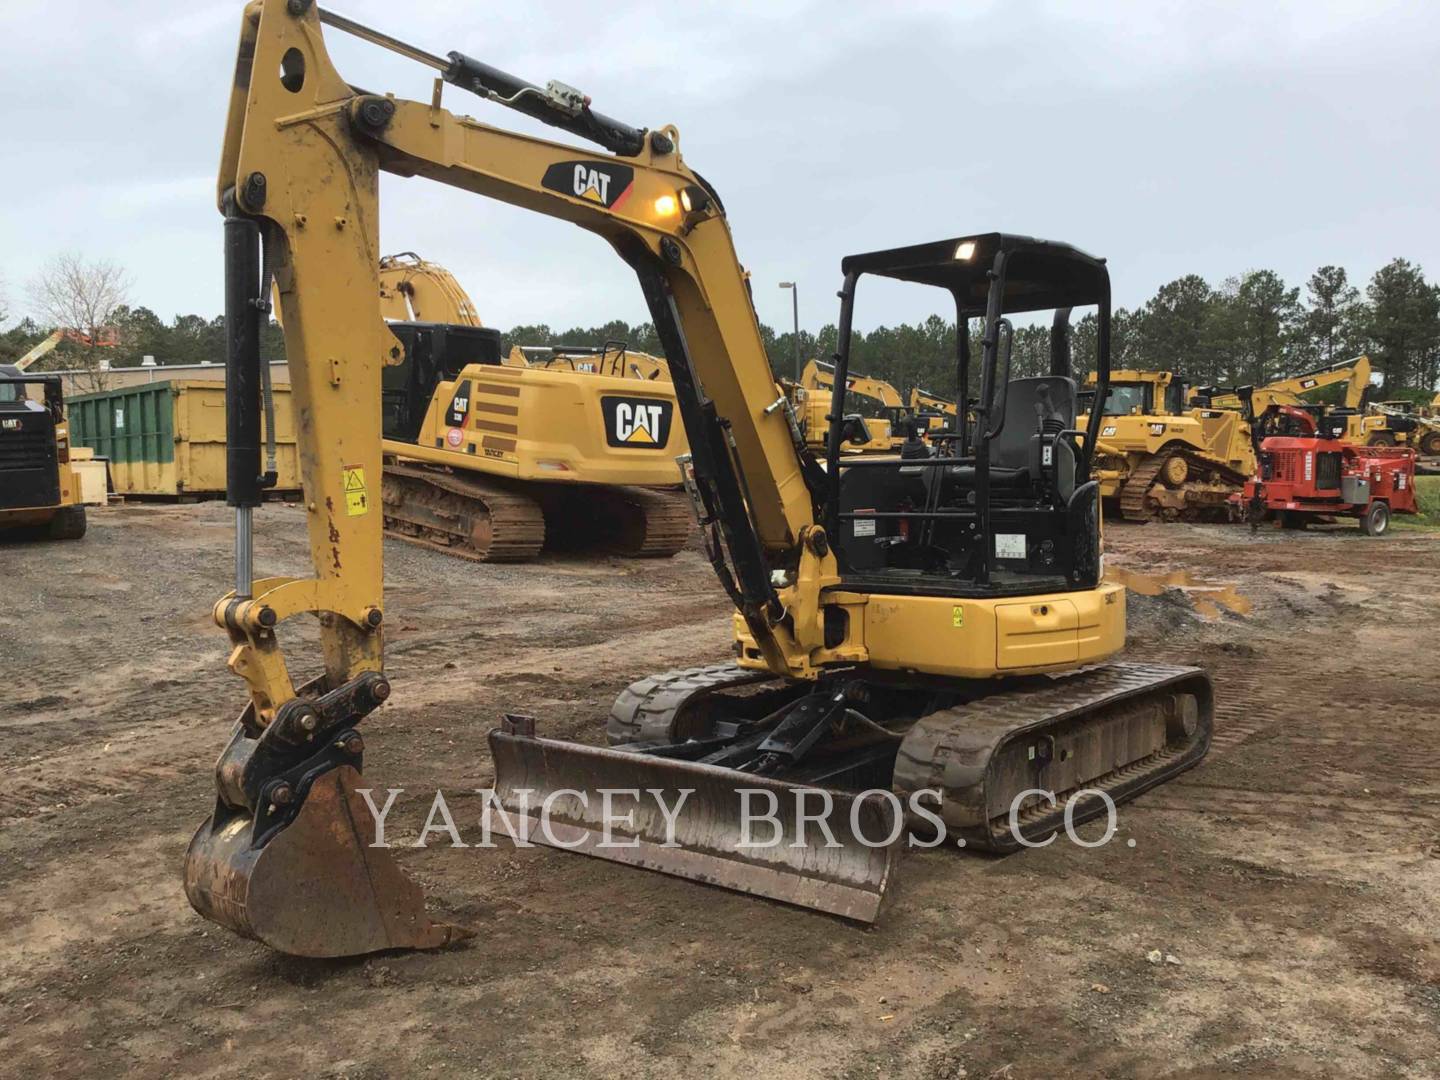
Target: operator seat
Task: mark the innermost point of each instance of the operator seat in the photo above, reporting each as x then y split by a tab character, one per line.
1036	410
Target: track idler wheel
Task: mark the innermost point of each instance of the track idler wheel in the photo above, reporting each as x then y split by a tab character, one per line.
1175	471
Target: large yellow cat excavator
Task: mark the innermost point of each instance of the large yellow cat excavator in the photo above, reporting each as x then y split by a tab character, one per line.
493	461
921	640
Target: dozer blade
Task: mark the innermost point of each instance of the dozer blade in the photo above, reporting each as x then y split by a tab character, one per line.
553	793
315	887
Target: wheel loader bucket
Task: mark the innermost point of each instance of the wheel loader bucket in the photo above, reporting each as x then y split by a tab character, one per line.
700	822
314	888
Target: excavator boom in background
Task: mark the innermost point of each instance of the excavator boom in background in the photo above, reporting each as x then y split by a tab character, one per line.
811	399
1353	375
1367	423
923	640
928	406
413	289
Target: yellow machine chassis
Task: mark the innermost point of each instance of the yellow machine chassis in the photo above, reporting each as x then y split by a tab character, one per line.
545	425
966	638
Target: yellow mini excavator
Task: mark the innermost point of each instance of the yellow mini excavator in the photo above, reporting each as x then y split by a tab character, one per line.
925	644
493	461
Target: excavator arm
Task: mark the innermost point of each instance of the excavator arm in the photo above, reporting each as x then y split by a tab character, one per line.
924	400
1354	374
820	376
325	143
298	187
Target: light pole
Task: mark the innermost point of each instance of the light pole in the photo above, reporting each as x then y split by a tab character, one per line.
795	310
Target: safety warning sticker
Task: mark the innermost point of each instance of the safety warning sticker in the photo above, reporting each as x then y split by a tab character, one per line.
357	499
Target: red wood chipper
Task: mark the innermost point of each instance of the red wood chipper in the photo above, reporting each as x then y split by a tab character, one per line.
1307	473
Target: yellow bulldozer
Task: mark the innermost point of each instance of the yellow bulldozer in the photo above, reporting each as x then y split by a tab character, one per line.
495	459
1168	451
925	646
1157	458
1395	423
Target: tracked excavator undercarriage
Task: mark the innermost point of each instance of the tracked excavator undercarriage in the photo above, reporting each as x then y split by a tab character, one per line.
924	643
987	766
490	519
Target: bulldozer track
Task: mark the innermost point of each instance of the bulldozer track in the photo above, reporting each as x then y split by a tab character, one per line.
471	517
1135	494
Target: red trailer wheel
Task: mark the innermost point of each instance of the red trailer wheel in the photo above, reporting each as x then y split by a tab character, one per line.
1376	519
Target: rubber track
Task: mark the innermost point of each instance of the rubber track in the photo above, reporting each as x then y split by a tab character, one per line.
517	525
961	731
645	711
1134	496
635	522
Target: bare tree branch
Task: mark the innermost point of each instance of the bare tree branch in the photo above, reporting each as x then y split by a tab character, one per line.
78	294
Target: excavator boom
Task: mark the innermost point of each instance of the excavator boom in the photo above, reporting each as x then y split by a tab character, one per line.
298	187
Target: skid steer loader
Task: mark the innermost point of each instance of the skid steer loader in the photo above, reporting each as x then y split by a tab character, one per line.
919	641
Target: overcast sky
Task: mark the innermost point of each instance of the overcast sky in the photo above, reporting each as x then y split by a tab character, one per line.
1168	137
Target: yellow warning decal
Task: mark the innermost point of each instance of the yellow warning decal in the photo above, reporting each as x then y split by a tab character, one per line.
957	616
357	500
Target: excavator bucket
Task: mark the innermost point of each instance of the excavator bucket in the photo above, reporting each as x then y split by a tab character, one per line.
314	887
698	821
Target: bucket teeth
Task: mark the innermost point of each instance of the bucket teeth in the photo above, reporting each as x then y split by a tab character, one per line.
700	822
315	887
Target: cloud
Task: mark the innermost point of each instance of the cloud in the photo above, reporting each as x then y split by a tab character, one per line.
1169	137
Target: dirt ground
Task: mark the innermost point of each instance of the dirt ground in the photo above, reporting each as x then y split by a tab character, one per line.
1294	875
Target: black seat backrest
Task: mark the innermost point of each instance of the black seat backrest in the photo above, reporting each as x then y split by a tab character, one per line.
1044	405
